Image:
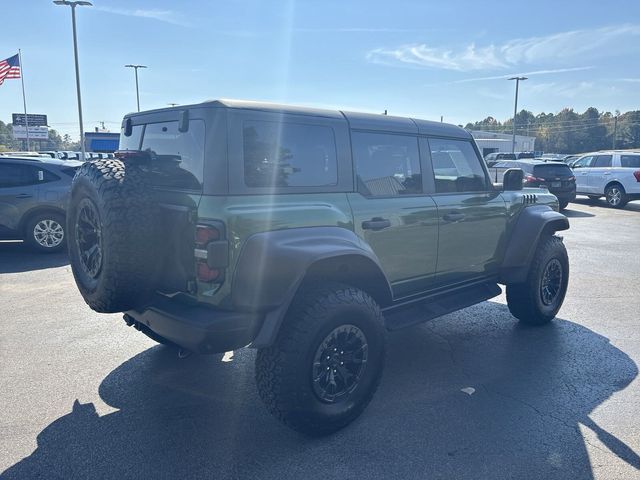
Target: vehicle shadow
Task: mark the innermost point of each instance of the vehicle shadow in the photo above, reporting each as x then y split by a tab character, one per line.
17	257
528	391
600	203
567	212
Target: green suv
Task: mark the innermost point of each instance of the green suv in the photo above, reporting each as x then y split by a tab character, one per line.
305	234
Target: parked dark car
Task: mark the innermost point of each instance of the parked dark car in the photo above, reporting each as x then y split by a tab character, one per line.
557	177
33	198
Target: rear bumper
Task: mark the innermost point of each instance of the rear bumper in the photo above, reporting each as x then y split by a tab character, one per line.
566	196
198	328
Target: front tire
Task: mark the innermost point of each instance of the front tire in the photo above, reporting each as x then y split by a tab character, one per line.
46	232
616	196
537	300
327	362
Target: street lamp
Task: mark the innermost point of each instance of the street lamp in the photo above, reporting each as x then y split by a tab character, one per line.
73	5
515	112
136	67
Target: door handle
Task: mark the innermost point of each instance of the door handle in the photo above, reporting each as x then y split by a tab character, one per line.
24	195
453	217
376	223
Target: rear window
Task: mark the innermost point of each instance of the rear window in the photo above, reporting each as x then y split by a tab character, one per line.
630	161
177	158
278	154
132	142
554	169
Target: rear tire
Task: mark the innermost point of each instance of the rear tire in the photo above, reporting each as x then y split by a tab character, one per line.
616	196
564	205
113	242
593	198
46	232
537	300
327	362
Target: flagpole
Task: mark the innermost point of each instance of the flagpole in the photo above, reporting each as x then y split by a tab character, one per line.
24	97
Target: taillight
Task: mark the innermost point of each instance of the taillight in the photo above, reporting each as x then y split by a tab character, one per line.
211	252
528	178
206	234
131	155
637	175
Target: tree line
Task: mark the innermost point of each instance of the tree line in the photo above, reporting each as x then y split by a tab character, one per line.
570	132
55	141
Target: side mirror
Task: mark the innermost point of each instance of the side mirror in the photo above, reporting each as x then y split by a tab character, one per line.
183	124
576	166
513	179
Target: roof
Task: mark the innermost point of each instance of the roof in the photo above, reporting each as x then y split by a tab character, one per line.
45	160
358	120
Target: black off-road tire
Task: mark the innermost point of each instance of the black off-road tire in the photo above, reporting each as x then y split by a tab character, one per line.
526	300
126	215
50	226
284	371
616	196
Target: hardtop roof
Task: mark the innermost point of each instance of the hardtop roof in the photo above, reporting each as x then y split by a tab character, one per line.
357	120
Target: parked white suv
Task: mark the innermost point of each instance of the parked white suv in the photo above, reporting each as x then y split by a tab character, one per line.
614	174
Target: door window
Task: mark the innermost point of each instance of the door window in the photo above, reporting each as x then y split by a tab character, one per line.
386	165
584	162
132	142
602	161
456	167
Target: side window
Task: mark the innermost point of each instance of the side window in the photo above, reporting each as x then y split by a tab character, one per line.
386	165
630	161
132	142
279	154
603	161
10	175
584	162
177	158
456	167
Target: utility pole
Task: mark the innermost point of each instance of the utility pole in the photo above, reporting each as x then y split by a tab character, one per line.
615	132
73	5
136	67
515	112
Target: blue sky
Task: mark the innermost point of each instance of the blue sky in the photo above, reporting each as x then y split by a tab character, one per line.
418	58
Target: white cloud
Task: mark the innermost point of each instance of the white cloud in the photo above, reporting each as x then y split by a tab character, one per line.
572	45
167	16
471	58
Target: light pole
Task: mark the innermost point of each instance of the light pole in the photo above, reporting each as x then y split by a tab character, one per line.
73	5
515	112
136	67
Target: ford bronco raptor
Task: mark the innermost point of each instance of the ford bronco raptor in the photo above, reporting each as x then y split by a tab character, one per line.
305	234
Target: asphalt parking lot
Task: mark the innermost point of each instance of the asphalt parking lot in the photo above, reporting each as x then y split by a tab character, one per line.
469	395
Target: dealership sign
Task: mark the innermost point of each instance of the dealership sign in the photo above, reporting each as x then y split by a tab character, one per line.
35	133
33	119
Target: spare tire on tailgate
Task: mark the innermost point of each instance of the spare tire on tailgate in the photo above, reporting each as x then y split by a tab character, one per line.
112	223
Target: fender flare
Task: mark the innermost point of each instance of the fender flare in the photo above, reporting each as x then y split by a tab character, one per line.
532	223
282	258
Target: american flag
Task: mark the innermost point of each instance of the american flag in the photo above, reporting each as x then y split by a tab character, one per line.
10	68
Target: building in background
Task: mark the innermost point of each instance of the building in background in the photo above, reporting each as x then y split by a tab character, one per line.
490	142
101	141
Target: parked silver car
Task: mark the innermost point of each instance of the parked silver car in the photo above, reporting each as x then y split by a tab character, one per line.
34	192
614	174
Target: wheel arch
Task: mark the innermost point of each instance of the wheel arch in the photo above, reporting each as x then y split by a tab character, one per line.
533	223
286	260
614	181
